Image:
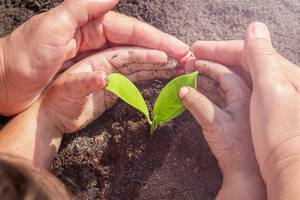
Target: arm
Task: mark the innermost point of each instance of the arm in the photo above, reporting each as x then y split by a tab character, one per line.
32	135
222	110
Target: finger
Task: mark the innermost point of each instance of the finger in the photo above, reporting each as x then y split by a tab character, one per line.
128	60
204	67
148	75
78	12
182	61
92	35
228	53
232	87
69	16
139	66
262	61
231	54
217	98
110	99
79	84
134	55
120	29
208	84
204	111
221	74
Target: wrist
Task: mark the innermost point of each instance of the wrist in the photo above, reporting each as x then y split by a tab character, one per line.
242	184
53	122
282	178
32	135
281	158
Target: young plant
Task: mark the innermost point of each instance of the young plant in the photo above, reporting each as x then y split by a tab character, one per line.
167	105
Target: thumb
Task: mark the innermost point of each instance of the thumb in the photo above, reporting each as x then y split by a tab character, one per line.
203	110
262	61
79	12
79	84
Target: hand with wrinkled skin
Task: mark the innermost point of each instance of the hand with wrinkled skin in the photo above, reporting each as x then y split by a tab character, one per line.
36	51
76	98
274	113
133	62
221	106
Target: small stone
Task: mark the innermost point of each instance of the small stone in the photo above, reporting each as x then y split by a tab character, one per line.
196	170
99	138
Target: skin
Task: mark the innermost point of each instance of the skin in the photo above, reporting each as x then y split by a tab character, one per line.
274	105
221	106
81	28
76	98
86	30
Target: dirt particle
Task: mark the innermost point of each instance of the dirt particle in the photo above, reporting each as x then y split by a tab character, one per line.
114	56
99	138
196	170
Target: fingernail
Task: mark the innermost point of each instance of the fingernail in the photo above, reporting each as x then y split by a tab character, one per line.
260	30
182	92
182	61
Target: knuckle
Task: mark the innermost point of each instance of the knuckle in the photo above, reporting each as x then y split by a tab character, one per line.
87	80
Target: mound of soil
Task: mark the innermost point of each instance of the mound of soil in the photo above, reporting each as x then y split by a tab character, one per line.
115	157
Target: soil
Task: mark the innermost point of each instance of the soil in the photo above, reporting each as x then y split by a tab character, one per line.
115	157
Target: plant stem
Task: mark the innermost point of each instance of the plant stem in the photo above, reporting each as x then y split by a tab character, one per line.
153	126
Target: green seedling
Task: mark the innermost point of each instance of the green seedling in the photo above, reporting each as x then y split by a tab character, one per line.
167	105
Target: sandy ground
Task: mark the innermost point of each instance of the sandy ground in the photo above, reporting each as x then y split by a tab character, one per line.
114	157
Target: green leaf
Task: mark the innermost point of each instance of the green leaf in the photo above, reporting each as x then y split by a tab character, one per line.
168	105
126	90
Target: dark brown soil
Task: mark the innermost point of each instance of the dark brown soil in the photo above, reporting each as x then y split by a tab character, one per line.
115	157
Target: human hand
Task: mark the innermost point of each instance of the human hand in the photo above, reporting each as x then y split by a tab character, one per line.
275	101
77	97
275	113
35	52
222	110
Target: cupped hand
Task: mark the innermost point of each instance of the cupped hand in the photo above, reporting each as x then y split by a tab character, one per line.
221	106
36	51
77	96
275	112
